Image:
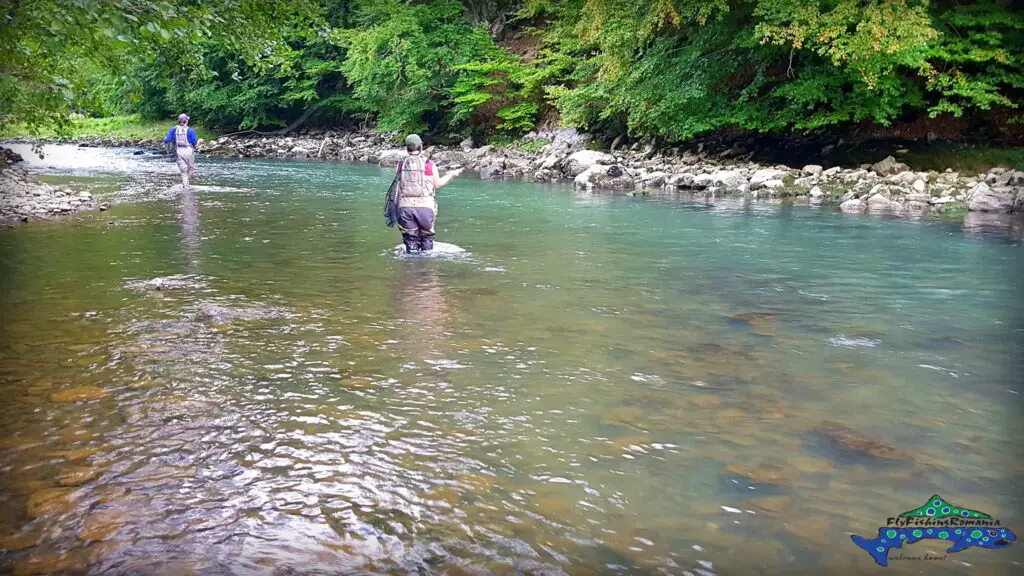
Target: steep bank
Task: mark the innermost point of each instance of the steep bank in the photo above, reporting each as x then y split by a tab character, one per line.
887	185
23	198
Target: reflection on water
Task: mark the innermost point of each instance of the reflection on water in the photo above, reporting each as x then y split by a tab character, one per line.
191	243
607	385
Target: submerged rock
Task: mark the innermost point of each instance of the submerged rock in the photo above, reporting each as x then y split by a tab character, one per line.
19	541
849	440
78	394
222	314
175	282
48	501
764	473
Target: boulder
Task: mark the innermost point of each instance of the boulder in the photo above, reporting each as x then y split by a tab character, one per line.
579	162
758	180
300	152
602	177
831	172
492	169
812	170
466	144
852	206
888	167
920	186
684	180
943	200
723	178
450	158
569	139
1018	202
880	202
654	180
806	182
773	185
816	193
984	199
390	157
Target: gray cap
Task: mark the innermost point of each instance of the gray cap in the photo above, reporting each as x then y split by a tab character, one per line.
413	142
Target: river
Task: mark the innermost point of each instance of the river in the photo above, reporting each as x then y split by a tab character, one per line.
598	384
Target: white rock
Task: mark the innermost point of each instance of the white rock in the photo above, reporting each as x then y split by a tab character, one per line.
758	180
920	186
812	170
580	162
852	205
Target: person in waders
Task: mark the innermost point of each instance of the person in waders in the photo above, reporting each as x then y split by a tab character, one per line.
186	143
418	180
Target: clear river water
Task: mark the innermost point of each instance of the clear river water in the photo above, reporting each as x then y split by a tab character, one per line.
248	379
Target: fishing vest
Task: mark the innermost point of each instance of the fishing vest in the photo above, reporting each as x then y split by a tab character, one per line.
181	137
413	181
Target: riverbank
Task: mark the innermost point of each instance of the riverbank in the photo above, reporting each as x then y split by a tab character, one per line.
23	198
887	186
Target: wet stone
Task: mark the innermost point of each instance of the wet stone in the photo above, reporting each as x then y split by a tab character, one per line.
762	323
813	531
78	475
101	525
49	501
79	394
15	542
764	473
53	563
773	506
848	440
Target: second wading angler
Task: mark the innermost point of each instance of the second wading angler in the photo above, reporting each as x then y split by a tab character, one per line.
416	182
185	142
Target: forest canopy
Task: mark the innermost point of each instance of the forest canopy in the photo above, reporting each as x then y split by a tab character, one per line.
668	68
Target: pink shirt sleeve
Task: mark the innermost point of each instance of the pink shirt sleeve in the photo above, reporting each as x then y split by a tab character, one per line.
429	168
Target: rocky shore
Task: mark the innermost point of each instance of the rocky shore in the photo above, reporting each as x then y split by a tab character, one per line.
22	198
567	155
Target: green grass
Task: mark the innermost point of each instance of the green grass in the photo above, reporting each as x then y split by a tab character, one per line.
123	127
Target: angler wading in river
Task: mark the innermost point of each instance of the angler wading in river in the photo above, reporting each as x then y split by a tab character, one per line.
412	202
185	142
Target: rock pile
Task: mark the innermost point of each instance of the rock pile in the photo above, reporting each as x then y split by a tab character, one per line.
886	186
22	198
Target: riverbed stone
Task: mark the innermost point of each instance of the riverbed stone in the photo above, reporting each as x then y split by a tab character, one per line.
919	185
579	162
601	177
878	201
852	205
79	394
984	199
812	170
12	543
390	158
49	501
761	177
78	475
731	179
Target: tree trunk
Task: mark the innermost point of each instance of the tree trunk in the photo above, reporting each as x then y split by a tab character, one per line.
302	120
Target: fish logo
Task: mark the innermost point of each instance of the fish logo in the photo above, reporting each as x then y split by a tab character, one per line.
937	520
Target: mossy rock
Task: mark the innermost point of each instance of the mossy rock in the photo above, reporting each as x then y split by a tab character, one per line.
953	209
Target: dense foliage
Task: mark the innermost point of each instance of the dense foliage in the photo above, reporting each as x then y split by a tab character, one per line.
666	68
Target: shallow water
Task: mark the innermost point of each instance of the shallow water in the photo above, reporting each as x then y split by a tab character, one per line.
249	379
